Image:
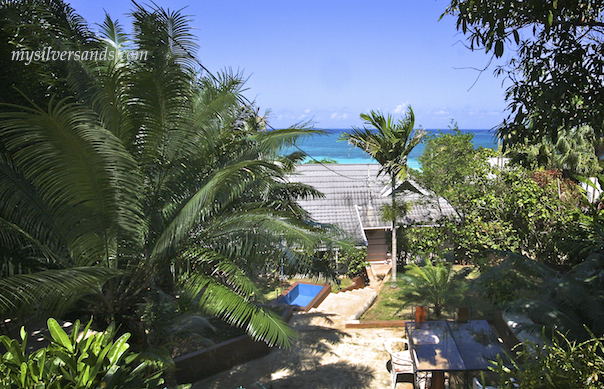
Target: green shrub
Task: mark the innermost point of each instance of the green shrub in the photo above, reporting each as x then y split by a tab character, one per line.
438	286
556	363
95	361
356	262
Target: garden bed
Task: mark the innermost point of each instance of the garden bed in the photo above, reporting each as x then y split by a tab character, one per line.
390	305
204	363
208	337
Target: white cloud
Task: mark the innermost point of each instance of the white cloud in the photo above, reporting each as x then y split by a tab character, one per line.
307	111
338	116
441	111
401	107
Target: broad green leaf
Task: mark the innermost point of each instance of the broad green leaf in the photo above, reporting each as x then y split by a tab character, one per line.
75	331
108	334
14	348
23	335
99	362
41	359
59	335
85	376
23	376
140	368
118	348
98	341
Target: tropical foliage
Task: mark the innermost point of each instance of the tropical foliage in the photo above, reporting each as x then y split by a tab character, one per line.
80	360
389	143
355	261
569	301
555	62
453	169
559	363
151	180
576	152
437	286
506	208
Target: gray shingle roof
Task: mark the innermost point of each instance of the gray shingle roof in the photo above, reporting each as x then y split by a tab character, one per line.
354	194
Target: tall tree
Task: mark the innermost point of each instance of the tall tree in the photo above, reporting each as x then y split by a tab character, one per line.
556	64
453	169
389	142
161	181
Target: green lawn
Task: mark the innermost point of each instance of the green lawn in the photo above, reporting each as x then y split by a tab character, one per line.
389	304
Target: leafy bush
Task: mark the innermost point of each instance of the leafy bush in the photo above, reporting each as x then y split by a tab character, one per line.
559	363
356	262
73	361
437	286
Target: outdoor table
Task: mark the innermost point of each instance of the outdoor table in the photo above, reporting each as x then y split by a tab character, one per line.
445	346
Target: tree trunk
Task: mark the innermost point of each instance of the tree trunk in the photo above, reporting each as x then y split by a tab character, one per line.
438	310
394	254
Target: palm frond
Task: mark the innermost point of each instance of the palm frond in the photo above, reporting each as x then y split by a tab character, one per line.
227	182
549	315
23	206
274	141
223	268
164	33
51	291
75	165
259	323
113	33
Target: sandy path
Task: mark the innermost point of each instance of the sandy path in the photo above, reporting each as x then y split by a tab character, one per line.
326	355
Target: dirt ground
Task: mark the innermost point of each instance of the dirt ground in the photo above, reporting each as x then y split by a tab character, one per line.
320	358
326	354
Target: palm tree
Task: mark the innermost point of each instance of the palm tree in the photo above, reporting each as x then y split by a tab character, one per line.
576	151
159	181
40	24
389	143
435	285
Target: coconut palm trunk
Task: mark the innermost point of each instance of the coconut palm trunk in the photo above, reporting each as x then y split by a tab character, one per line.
389	143
394	242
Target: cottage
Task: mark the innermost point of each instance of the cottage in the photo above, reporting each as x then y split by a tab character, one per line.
354	194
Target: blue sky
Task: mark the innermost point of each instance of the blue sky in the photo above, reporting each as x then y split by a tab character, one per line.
329	61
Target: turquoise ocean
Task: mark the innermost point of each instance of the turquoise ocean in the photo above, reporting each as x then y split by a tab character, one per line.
327	146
